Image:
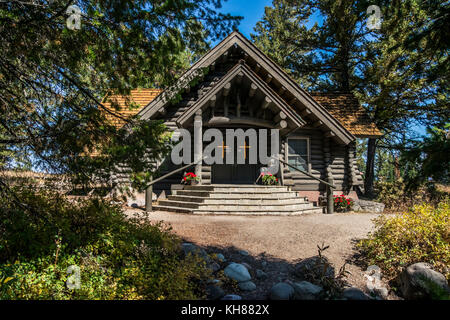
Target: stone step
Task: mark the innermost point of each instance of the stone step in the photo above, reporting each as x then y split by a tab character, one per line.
235	194
313	210
234	188
252	207
243	199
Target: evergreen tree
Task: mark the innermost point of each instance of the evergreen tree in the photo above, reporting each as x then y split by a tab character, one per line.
57	61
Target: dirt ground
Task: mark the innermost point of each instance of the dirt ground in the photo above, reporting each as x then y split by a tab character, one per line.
278	241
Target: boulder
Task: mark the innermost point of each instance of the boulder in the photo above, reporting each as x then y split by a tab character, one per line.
243	252
189	248
220	257
420	281
354	294
305	290
281	291
214	292
368	206
313	267
247	286
249	267
237	272
261	275
214	266
231	297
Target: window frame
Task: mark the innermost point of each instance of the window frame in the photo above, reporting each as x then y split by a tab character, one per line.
308	151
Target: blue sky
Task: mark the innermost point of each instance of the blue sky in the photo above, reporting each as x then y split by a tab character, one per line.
251	10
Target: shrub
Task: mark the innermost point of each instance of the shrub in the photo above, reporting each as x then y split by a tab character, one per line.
342	203
398	198
119	258
419	235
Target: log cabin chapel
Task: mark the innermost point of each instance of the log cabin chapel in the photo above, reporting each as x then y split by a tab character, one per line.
238	86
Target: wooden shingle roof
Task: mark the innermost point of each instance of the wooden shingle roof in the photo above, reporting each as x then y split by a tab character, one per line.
343	107
347	110
137	100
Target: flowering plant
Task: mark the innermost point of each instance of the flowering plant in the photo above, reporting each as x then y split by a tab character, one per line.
342	203
268	179
189	177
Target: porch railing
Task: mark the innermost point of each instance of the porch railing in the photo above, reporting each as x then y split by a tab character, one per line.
329	191
149	187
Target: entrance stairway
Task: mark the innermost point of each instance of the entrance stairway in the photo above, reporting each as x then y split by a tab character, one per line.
237	200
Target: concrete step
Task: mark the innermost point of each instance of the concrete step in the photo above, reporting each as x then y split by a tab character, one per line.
237	188
314	210
235	194
242	200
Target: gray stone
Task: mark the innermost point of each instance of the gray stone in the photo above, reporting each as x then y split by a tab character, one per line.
243	252
237	272
213	281
232	297
261	275
214	266
314	267
281	291
189	248
305	290
381	292
368	206
220	257
420	281
247	286
214	292
354	294
249	267
264	264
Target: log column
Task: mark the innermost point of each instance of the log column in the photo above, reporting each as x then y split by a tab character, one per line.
352	179
329	174
198	146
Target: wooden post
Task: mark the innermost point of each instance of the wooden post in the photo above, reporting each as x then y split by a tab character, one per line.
330	200
149	197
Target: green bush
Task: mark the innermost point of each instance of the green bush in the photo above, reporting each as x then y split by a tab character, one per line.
397	198
119	258
419	235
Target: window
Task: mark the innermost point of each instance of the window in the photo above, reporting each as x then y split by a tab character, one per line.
298	153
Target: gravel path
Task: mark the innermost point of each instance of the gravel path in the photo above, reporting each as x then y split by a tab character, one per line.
280	241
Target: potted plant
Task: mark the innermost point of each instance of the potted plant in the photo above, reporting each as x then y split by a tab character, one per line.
342	203
268	179
190	178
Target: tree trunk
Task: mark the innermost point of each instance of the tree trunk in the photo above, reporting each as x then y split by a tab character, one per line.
370	165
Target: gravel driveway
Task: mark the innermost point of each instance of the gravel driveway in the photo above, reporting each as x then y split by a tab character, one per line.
280	241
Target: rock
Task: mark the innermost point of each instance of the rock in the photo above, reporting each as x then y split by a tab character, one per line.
249	267
231	297
281	291
261	275
247	286
214	266
189	248
368	206
220	257
237	272
312	268
420	281
243	252
214	292
213	281
264	264
381	292
354	294
305	290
